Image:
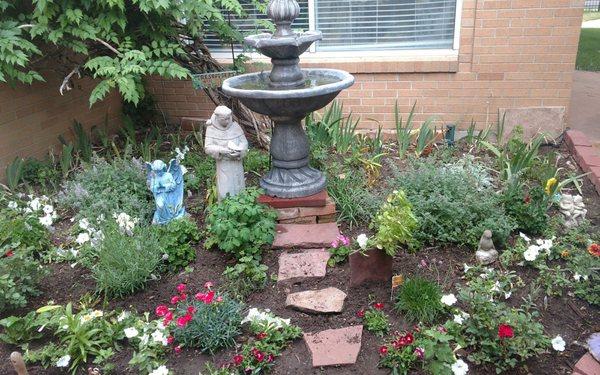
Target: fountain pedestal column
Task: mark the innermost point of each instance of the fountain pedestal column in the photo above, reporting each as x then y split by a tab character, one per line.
290	175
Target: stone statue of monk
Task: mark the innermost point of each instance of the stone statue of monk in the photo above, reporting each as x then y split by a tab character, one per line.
225	141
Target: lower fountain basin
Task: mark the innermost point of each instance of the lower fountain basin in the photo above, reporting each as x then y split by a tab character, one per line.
320	88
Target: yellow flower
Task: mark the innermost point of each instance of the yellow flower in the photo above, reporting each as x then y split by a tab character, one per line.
550	184
565	253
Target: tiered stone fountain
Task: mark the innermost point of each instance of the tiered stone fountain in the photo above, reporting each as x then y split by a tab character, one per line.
286	94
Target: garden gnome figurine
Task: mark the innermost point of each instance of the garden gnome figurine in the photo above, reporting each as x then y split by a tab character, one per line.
166	184
486	252
573	209
17	361
225	141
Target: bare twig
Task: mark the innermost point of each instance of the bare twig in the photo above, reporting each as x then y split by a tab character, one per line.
66	86
108	46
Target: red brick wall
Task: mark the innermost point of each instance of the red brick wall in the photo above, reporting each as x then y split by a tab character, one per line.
512	54
33	116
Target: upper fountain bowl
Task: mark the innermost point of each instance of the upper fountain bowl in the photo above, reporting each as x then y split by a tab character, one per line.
289	47
321	86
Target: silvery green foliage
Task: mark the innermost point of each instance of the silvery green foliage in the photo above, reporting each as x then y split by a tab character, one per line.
467	164
104	188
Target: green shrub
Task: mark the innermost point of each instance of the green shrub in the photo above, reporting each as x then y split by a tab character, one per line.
376	322
23	230
19	277
348	189
527	209
177	239
103	188
395	223
213	324
41	173
453	205
256	161
125	263
239	225
420	300
246	276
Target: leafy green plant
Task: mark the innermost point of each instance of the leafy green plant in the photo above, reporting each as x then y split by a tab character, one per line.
103	188
208	321
23	230
83	142
40	172
395	223
333	129
66	159
527	209
18	330
125	263
453	203
376	321
239	225
246	276
256	162
178	238
420	300
14	173
20	275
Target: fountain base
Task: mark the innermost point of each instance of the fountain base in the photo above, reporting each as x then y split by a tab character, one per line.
293	183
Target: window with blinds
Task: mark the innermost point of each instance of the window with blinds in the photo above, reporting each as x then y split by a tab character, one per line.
350	25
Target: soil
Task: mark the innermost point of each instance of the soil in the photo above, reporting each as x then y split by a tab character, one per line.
573	318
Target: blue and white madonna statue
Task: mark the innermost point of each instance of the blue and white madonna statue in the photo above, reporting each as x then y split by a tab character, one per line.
166	184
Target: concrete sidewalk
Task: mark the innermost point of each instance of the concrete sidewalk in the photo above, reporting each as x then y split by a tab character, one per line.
584	114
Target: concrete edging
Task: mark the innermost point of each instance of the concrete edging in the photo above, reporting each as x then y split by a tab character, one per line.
585	155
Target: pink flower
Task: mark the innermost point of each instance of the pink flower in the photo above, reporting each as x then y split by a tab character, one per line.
419	352
174	300
168	318
209	297
182	297
258	355
181	321
200	296
409	338
261	336
360	313
170	340
238	359
181	288
9	253
191	309
383	350
177	349
208	284
219	299
335	244
270	358
161	310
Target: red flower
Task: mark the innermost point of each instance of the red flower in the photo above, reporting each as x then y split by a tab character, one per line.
191	309
200	296
168	318
181	288
593	249
262	336
238	359
378	306
270	358
527	199
383	350
182	297
208	284
209	297
258	355
9	253
360	313
170	340
409	338
505	331
161	310
174	300
181	321
177	349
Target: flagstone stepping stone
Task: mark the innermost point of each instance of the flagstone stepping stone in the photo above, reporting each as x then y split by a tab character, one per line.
334	346
305	236
587	365
328	300
306	264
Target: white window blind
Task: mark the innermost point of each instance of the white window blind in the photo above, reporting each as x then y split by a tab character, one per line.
351	25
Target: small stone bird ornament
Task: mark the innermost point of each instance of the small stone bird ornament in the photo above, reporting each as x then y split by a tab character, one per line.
486	251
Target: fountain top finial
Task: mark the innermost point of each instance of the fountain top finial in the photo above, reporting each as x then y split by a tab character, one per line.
283	13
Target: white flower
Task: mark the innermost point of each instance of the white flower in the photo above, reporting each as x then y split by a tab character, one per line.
84	224
558	344
85	318
74	252
577	276
63	361
130	332
162	370
82	238
585	277
458	319
531	253
35	204
496	287
46	220
158	336
507	295
265	317
122	316
523	236
48	209
96	314
460	367
144	339
13	205
466	267
362	240
448	299
125	222
183	169
545	245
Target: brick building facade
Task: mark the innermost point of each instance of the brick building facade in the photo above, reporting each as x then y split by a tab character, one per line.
515	55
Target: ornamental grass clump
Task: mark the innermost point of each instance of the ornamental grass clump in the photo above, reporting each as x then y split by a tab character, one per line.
207	320
420	300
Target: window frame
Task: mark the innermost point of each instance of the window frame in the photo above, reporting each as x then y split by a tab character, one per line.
401	54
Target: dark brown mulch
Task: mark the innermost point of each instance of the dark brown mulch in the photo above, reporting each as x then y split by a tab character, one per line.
573	318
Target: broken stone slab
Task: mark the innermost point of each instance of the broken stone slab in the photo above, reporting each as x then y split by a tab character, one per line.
334	346
323	301
305	236
316	200
311	263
